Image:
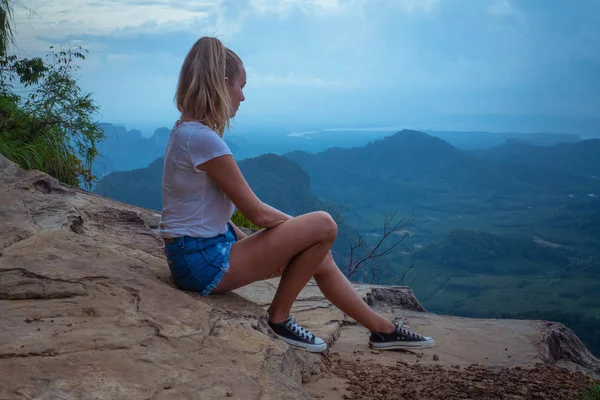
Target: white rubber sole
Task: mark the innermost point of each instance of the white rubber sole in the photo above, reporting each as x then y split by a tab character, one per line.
402	345
312	348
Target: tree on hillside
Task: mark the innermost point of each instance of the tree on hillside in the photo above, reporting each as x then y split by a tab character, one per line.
50	127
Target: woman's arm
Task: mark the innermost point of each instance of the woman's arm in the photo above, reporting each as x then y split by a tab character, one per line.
225	172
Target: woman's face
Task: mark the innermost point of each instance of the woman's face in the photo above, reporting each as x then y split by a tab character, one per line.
236	91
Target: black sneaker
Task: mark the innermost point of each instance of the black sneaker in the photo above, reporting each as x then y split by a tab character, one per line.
399	338
295	335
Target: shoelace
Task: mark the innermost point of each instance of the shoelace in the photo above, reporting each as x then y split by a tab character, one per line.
299	330
406	332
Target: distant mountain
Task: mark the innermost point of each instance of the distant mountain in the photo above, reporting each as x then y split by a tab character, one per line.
235	149
140	187
416	171
581	158
126	150
123	149
276	180
161	136
281	183
484	140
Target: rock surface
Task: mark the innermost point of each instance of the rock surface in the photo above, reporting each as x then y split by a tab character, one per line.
473	358
459	341
88	310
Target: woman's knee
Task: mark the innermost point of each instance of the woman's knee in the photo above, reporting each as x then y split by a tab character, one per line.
326	226
316	227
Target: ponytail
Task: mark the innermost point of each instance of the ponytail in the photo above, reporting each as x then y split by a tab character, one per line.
202	90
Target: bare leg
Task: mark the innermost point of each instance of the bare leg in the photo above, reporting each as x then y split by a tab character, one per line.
302	246
340	292
302	243
294	278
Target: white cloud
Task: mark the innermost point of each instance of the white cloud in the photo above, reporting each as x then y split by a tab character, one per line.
359	57
336	7
224	18
285	7
60	18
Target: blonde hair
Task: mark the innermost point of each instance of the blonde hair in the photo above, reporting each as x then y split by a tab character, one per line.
202	90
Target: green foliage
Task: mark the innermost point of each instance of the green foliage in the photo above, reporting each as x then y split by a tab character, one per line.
472	251
51	128
592	394
240	220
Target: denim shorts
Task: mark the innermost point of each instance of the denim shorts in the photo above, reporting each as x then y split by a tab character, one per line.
199	264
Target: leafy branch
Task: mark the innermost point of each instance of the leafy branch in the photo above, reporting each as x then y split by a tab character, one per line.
52	127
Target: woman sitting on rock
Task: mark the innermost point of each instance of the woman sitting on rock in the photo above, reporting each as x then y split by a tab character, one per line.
201	187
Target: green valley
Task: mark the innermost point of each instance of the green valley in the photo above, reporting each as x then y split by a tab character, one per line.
510	231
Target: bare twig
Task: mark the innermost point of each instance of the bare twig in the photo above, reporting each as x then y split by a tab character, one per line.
363	255
390	227
405	273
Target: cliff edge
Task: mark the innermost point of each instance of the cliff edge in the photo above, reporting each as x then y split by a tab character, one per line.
473	358
88	310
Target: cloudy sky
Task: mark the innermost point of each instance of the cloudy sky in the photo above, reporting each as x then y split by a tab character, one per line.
527	65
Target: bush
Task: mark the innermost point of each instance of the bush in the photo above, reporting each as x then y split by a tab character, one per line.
50	128
592	394
240	220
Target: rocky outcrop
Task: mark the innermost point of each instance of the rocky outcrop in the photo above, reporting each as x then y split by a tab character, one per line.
459	341
473	358
393	297
88	310
560	345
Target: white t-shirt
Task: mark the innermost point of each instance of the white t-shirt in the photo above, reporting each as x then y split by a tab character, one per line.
193	205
